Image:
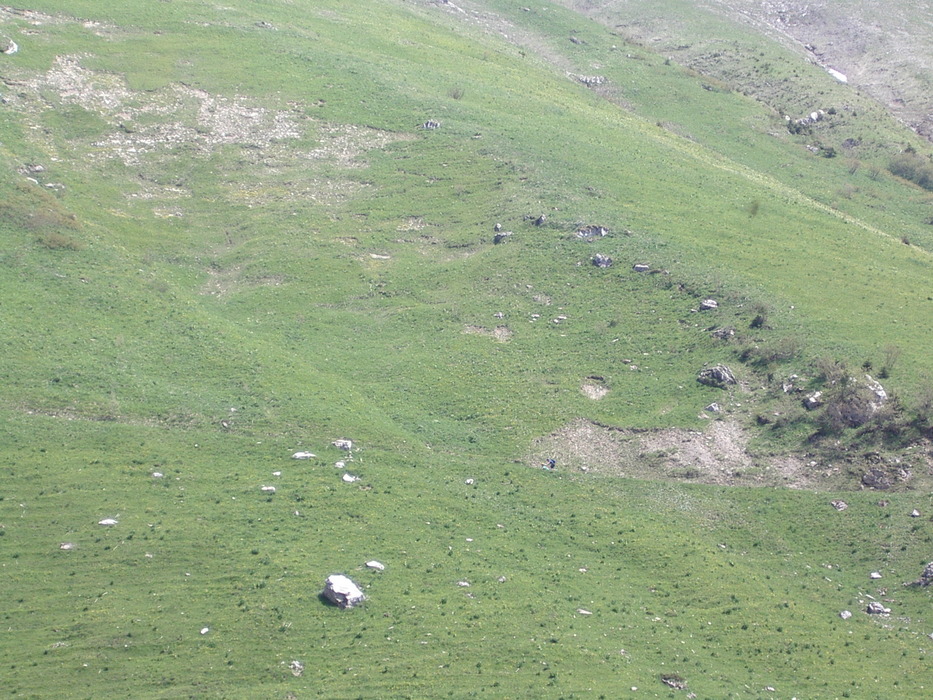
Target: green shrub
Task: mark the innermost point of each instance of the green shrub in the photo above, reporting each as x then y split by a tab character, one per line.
913	167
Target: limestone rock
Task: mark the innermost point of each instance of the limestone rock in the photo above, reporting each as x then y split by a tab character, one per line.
342	592
876	608
709	305
589	233
719	376
926	578
813	401
600	260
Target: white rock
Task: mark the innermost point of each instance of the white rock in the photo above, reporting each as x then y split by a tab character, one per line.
342	592
378	566
845	614
340	465
157	475
469	482
343	444
107	521
66	545
581	611
915	513
205	630
875	575
463	584
350	478
276	473
268	489
303	455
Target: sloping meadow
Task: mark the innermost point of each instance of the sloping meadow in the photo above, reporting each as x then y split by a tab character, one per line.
235	233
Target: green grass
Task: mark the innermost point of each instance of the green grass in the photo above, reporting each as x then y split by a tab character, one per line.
205	307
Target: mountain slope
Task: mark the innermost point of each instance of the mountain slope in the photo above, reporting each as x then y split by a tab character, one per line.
227	237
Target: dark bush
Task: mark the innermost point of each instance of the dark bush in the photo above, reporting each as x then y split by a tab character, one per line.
913	167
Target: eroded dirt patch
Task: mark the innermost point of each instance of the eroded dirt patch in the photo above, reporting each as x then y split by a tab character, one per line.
272	161
717	455
500	333
594	391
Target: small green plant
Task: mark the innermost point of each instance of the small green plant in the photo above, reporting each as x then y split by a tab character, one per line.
58	241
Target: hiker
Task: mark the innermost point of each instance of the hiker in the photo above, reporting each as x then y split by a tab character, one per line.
550	464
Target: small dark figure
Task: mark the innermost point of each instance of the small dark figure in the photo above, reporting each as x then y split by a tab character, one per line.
550	464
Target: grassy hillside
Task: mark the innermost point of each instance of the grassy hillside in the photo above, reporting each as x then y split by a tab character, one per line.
226	237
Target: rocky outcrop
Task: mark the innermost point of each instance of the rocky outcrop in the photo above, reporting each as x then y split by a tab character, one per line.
926	578
719	376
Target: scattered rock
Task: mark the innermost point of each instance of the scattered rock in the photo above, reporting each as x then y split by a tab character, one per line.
641	267
589	233
67	546
926	578
297	668
714	408
723	333
813	401
600	260
350	478
876	608
157	475
915	513
205	630
591	80
431	124
839	505
674	681
469	482
463	584
581	611
497	227
876	478
340	465
378	566
343	444
342	592
107	522
502	579
845	614
303	455
709	305
267	489
874	575
500	236
719	376
541	220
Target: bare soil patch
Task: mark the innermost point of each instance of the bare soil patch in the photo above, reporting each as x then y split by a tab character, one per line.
500	333
594	391
717	455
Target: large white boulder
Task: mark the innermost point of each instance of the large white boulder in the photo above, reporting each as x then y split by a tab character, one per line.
342	592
